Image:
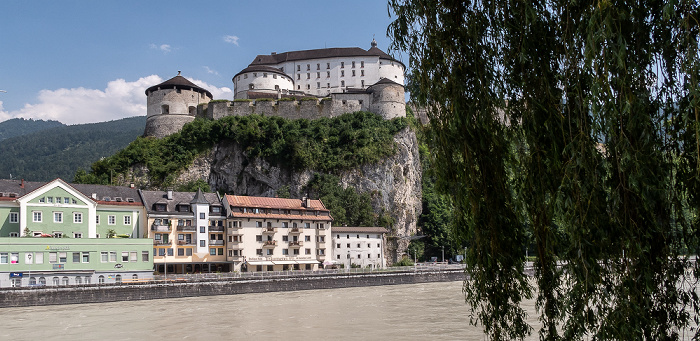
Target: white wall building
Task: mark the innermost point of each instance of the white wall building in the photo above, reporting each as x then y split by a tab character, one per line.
361	246
318	72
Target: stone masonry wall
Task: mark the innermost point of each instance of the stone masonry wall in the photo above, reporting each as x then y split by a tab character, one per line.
24	297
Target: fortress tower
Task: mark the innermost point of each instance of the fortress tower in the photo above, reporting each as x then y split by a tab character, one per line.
172	104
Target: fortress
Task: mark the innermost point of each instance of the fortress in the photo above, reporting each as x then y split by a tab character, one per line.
299	84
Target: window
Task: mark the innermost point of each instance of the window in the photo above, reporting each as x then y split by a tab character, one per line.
342	83
308	67
298	67
328	65
296	252
77	217
14	217
264	74
318	75
362	72
101	279
318	66
97	220
318	85
307	225
127	220
118	279
362	63
338	257
180	252
111	220
378	245
104	257
342	65
285	252
77	235
321	252
14	234
170	252
39	258
285	238
55	281
113	256
4	257
164	109
298	76
125	256
212	251
348	245
307	238
36	217
188	252
49	200
87	279
328	74
58	217
66	200
307	251
258	238
363	85
202	243
58	234
42	199
353	73
202	229
86	257
76	257
144	256
62	257
342	73
358	245
161	252
308	75
202	216
133	257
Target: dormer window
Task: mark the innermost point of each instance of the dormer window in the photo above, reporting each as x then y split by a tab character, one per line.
160	207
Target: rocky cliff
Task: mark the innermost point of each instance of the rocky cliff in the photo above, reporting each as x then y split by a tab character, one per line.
394	183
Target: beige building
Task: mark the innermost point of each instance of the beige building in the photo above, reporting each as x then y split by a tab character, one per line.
359	246
187	230
275	234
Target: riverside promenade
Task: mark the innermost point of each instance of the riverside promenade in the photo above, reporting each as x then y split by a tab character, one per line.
210	284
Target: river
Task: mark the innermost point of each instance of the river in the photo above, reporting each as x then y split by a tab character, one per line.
428	311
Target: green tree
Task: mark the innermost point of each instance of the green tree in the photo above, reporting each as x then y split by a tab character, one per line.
573	125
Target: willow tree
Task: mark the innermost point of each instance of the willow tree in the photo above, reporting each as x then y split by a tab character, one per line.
575	123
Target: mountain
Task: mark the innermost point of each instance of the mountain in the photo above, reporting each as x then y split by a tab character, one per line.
20	126
60	151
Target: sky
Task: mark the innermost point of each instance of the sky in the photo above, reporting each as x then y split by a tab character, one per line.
91	61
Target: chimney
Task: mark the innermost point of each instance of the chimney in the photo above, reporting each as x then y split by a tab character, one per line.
308	202
170	194
273	53
94	196
303	202
22	184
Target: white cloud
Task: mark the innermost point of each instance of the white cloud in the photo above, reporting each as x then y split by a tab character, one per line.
231	39
210	71
118	100
163	47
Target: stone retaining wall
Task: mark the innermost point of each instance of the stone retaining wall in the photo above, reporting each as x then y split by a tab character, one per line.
23	297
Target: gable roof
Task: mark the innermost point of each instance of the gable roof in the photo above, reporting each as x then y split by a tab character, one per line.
100	191
278	203
369	229
334	52
179	198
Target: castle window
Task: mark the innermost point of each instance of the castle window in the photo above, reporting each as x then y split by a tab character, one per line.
192	110
318	66
362	72
251	86
353	73
342	65
328	85
308	67
353	64
308	75
342	73
360	101
298	67
318	85
342	83
178	91
308	86
328	65
328	74
255	74
363	85
318	75
277	87
282	69
274	76
264	74
362	63
164	109
245	76
298	76
298	87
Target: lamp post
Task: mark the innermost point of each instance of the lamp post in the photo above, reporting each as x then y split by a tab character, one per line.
29	265
443	254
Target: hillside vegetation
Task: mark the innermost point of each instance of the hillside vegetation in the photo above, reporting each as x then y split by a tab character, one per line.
325	145
20	126
61	151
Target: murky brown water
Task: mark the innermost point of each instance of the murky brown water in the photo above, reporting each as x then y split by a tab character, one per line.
430	311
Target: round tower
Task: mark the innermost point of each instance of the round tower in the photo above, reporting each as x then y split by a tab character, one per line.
172	104
388	99
260	81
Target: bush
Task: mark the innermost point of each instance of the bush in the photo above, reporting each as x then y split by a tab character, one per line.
287	99
306	99
264	100
242	100
219	101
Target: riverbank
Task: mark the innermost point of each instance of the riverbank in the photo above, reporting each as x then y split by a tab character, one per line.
179	287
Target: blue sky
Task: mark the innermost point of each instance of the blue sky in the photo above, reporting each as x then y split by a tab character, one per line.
90	61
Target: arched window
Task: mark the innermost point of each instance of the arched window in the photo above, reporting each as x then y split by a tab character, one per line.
32	280
134	276
42	281
192	110
118	279
78	280
65	280
101	279
164	109
55	281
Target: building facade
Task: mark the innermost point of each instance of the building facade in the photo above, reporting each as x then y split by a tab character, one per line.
187	230
275	234
359	246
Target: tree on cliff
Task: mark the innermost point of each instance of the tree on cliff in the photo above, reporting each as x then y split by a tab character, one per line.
575	123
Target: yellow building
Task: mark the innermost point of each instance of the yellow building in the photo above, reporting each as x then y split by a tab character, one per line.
275	234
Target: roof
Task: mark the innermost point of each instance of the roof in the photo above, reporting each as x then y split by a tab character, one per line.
199	198
101	192
179	198
178	82
280	203
345	229
385	81
334	52
262	68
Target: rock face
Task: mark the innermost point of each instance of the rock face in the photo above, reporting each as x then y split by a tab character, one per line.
394	183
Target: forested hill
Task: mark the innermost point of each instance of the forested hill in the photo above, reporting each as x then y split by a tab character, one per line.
61	151
21	126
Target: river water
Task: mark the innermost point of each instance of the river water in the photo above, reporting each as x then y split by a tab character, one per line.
428	311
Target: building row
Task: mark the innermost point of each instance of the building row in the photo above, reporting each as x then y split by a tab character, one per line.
56	233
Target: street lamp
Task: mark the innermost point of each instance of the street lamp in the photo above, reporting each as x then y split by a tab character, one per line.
443	254
29	257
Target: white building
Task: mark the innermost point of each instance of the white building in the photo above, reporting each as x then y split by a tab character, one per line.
318	72
275	234
359	246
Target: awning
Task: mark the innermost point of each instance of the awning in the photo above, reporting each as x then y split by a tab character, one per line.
263	262
285	262
308	262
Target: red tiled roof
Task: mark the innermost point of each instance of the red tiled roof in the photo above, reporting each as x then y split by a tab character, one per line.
266	202
282	216
368	229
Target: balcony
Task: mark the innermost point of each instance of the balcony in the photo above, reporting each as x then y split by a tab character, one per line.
187	228
160	242
321	245
298	243
294	230
234	246
216	242
216	229
160	228
270	243
186	242
269	230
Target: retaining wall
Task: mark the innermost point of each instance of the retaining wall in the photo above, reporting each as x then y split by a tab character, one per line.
23	297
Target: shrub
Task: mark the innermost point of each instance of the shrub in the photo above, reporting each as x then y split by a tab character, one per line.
264	100
238	100
287	99
219	101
